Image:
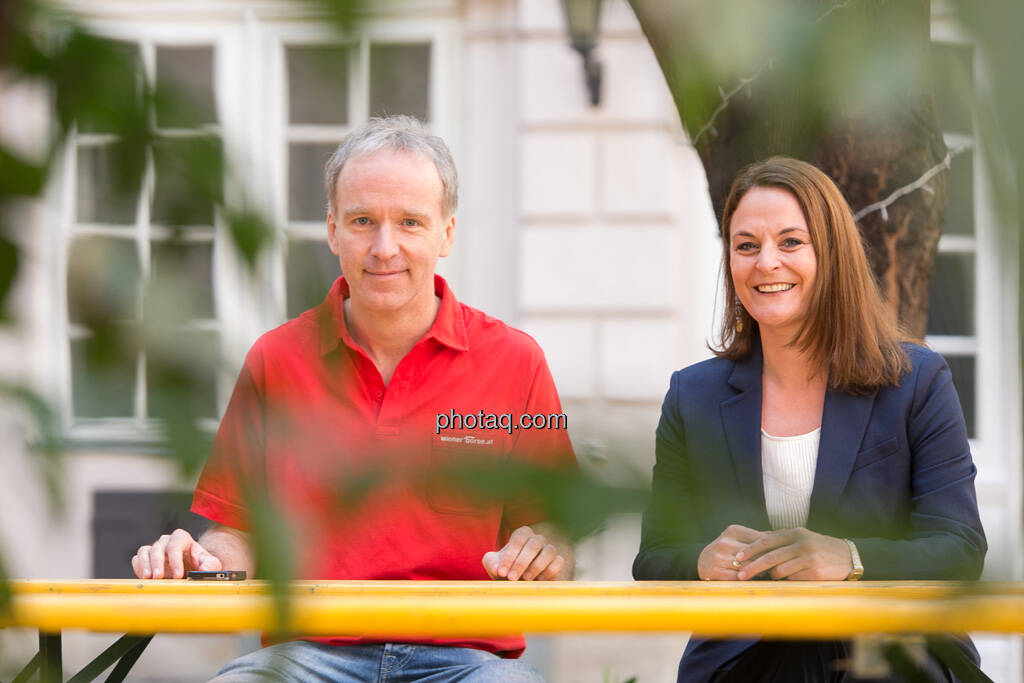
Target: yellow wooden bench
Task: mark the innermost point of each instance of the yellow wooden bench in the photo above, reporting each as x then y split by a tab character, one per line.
464	608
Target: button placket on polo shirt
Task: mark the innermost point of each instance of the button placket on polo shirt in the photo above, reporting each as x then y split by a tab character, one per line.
370	378
394	398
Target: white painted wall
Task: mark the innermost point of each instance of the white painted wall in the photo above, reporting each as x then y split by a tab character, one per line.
617	275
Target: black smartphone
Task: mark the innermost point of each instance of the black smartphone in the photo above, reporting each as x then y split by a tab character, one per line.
233	575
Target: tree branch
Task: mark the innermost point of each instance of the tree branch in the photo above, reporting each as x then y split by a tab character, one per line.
744	82
911	187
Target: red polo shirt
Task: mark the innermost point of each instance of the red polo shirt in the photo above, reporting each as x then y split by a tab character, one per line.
357	468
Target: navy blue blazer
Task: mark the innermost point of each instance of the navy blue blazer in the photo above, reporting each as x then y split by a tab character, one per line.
894	474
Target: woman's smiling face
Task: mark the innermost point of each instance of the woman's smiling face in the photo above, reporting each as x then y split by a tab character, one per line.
772	261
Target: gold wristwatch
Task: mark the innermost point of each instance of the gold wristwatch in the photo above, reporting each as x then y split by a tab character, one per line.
858	568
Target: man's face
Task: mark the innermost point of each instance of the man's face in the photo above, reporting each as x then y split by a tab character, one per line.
388	229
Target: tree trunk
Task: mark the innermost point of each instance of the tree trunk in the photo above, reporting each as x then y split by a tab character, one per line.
844	86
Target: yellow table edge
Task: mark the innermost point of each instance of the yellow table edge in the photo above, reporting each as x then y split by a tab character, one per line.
478	608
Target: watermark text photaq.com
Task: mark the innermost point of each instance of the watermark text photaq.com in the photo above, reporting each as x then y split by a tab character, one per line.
505	421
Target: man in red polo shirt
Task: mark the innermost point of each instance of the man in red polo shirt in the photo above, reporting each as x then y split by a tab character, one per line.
337	419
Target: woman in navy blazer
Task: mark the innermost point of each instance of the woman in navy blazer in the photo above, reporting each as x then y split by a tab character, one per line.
808	345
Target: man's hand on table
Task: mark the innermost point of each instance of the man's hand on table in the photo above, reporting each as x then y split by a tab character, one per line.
171	556
531	555
221	547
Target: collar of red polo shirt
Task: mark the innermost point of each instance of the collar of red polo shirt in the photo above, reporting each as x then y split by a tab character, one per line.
449	326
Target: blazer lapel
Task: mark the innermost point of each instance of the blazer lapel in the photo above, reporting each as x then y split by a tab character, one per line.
741	418
843	423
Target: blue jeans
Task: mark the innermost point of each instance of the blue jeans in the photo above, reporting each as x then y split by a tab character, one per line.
303	661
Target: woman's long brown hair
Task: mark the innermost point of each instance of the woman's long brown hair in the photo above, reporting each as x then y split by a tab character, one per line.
848	332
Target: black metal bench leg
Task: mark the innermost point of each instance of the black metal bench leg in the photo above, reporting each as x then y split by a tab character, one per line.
30	669
126	647
51	665
128	660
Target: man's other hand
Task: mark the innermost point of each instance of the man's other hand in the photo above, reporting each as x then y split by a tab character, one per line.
528	556
171	556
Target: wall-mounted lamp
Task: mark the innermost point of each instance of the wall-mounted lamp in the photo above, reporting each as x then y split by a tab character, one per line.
583	18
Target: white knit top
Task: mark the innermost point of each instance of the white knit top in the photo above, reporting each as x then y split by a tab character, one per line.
788	464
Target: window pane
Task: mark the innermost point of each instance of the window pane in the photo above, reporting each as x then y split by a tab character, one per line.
963	371
100	197
953	76
400	80
103	280
182	275
187	73
318	84
951	305
102	382
306	199
122	77
183	377
311	269
123	521
960	201
188	180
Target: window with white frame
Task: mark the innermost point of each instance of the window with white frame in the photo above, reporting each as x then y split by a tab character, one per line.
952	326
310	91
126	242
972	318
328	88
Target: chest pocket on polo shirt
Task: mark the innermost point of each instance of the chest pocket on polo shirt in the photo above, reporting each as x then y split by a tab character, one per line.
464	479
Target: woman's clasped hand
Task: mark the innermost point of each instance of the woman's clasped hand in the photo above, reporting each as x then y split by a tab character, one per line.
741	553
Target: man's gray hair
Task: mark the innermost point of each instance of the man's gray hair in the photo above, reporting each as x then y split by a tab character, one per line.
400	134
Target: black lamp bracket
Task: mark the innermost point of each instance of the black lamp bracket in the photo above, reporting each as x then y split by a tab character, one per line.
591	73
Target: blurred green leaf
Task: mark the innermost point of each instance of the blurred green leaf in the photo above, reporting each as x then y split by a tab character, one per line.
20	177
5	588
189	176
576	502
357	487
9	258
103	281
43	437
792	59
251	234
275	558
995	27
181	389
345	15
18	49
185	440
184	93
99	83
99	86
